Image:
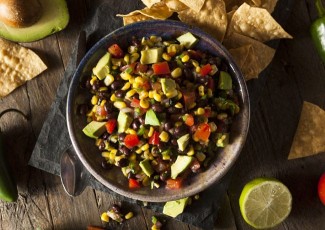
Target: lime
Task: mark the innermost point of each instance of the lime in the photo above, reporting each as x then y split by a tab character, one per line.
265	202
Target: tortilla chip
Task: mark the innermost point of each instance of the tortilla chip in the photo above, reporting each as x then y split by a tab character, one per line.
129	19
262	53
256	23
175	5
269	5
310	134
150	3
158	11
245	58
195	5
212	18
17	65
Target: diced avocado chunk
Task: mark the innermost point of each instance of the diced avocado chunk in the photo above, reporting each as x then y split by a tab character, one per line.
225	81
146	167
151	56
188	40
124	120
168	85
94	129
179	166
175	207
183	141
225	104
222	139
151	118
102	69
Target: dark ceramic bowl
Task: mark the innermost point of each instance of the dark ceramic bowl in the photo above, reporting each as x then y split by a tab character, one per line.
85	147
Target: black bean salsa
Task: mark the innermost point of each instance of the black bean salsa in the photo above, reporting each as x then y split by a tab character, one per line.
159	109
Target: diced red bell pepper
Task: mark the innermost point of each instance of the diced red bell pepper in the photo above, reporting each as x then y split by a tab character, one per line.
135	103
131	140
211	84
140	68
111	125
189	99
174	183
146	85
154	139
133	183
116	51
101	111
205	70
203	132
161	68
128	68
188	119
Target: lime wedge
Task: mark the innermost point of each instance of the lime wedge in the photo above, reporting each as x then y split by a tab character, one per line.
265	203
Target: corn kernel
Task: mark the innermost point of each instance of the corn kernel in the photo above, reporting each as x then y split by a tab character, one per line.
201	90
176	72
195	138
130	93
222	116
151	130
191	151
138	151
103	102
105	154
157	96
119	104
166	57
125	76
145	147
150	94
128	216
109	79
139	80
104	217
131	131
179	95
178	124
172	93
213	127
210	93
143	95
195	63
178	105
134	57
164	137
185	58
200	111
94	100
144	103
103	88
126	86
198	69
200	156
113	97
127	58
93	80
131	80
114	67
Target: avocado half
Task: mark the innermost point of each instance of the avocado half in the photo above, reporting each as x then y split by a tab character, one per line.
55	17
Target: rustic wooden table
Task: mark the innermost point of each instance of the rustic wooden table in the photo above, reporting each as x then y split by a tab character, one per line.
297	74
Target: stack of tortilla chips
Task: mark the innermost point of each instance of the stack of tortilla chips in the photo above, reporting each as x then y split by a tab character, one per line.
243	26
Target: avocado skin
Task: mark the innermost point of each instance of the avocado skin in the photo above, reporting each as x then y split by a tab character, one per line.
8	187
55	17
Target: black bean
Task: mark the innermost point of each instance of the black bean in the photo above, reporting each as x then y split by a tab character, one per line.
116	208
188	73
123	162
136	124
121	137
141	120
104	95
168	125
110	116
174	141
215	61
124	150
102	146
173	109
108	106
180	131
87	84
105	136
164	176
119	93
203	80
96	85
131	175
117	85
157	107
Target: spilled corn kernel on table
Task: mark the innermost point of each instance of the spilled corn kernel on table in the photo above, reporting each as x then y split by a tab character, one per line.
296	74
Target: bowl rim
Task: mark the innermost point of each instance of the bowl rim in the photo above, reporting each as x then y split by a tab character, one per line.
74	83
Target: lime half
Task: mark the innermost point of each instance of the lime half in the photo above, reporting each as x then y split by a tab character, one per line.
265	203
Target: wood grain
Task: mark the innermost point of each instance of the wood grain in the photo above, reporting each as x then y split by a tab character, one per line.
297	74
